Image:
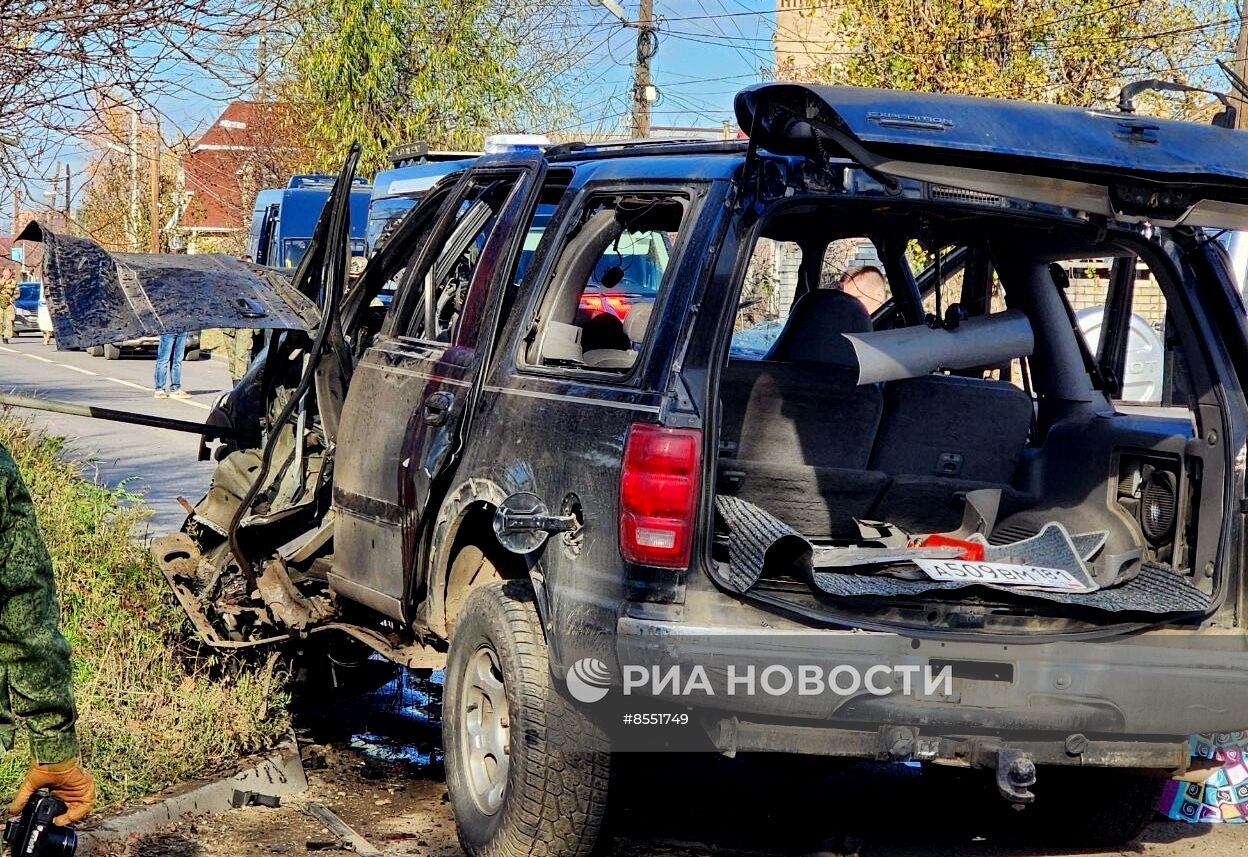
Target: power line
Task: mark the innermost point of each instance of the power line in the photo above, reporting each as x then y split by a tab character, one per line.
722	79
720	29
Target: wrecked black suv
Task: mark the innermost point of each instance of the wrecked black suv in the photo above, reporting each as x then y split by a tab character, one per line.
758	462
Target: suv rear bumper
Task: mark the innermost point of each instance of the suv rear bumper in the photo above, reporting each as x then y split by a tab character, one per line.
908	743
1125	703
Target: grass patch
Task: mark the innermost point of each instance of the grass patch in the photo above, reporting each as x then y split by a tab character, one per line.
154	708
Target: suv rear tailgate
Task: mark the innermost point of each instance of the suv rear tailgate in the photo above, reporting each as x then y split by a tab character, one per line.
1104	162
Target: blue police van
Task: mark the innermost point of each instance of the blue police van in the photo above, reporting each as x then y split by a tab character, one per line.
416	170
397	190
283	219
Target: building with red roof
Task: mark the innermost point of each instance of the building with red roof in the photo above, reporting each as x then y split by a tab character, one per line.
223	169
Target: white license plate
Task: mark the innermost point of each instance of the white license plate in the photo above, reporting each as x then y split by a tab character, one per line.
1003	574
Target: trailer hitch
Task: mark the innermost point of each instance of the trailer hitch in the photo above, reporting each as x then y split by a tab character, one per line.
1016	774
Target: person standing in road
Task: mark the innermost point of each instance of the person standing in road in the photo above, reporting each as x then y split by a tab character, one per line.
44	317
8	295
35	677
169	354
241	346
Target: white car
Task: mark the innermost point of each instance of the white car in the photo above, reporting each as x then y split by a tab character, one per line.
112	350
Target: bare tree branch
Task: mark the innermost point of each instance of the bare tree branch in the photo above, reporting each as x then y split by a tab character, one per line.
63	57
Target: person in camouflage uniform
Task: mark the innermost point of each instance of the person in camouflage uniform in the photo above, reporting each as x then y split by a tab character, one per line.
35	681
8	295
241	346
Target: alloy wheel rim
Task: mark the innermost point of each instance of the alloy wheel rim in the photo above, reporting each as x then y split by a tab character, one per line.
486	730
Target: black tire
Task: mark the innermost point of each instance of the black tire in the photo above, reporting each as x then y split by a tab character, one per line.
192	355
112	352
1086	808
551	801
95	350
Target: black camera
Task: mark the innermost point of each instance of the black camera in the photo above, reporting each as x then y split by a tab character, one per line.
32	834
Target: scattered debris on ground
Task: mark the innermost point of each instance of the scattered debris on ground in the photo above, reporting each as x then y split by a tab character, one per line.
885	811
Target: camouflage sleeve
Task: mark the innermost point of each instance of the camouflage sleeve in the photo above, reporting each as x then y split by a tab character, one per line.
34	657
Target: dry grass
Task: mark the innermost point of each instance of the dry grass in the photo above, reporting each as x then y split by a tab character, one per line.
154	708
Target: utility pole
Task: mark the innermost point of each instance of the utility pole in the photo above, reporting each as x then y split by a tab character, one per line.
153	195
67	200
132	226
1241	68
645	93
262	63
17	208
55	193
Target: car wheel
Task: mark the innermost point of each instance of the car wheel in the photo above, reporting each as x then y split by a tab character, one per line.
95	350
517	782
112	352
1086	808
192	355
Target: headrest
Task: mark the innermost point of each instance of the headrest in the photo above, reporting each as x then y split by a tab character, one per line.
638	321
815	323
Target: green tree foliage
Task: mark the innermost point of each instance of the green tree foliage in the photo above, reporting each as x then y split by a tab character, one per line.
1059	51
387	72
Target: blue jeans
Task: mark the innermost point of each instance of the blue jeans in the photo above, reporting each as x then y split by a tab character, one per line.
169	356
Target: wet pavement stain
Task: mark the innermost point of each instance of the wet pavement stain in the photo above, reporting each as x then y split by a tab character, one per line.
387	714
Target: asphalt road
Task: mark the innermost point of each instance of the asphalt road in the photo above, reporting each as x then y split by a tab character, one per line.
157	463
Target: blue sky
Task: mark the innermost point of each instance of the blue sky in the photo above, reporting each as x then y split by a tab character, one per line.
708	49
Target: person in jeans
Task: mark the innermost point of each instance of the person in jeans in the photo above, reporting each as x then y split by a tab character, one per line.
169	366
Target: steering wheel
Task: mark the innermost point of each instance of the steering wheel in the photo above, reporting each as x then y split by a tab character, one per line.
452	296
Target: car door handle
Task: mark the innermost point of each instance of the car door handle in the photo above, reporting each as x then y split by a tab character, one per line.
438	408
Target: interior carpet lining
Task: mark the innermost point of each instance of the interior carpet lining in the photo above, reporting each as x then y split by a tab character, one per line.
757	540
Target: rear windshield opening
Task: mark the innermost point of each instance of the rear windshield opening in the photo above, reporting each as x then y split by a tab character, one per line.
919	411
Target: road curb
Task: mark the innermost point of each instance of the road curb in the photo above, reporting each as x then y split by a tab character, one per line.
279	774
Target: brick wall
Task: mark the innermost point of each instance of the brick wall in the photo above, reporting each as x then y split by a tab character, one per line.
1089	281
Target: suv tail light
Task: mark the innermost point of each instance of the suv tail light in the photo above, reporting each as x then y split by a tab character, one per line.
659	486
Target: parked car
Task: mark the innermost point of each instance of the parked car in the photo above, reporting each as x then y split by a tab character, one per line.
26	308
483	478
113	350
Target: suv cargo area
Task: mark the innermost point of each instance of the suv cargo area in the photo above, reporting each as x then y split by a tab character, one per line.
991	434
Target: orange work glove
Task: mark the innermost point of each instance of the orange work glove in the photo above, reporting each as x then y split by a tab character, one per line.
66	780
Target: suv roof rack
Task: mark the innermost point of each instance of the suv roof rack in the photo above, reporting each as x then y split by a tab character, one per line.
419	152
578	151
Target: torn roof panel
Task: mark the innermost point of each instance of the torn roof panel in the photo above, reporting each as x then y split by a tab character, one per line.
97	297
